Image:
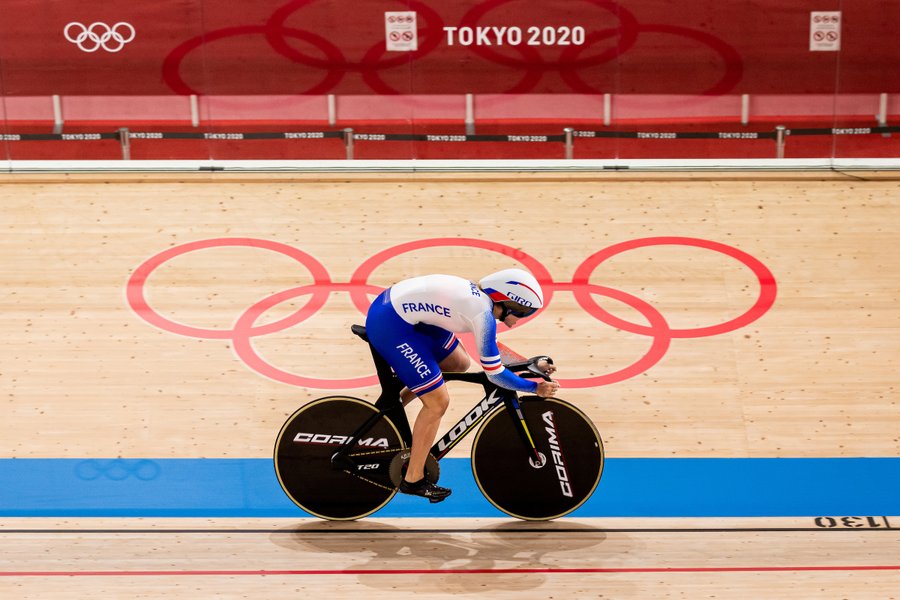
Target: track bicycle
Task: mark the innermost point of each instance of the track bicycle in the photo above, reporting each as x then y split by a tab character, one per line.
342	458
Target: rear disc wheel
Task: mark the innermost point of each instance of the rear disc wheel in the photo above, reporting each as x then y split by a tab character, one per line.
308	440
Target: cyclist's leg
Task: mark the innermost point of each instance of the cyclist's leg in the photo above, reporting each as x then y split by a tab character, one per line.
414	353
446	350
434	405
457	361
451	356
409	349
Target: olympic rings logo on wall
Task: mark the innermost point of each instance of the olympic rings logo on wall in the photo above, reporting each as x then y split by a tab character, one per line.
360	290
334	65
90	38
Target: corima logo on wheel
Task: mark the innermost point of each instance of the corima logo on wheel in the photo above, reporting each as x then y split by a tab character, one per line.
562	473
336	440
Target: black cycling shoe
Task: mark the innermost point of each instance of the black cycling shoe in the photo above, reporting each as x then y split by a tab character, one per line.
426	489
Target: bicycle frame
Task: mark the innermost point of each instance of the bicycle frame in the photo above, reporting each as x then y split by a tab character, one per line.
493	397
390	405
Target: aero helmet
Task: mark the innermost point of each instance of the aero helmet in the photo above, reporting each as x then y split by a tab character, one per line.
516	290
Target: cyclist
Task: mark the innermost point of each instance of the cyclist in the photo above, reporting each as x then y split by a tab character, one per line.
413	325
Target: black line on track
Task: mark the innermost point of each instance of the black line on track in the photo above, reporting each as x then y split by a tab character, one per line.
448	531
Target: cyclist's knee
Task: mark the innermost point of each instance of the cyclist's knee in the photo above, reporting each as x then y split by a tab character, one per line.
437	400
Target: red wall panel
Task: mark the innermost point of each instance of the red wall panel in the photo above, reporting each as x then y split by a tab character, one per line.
287	47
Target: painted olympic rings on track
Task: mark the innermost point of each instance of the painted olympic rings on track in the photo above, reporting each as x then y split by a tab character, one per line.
117	469
360	290
334	65
766	284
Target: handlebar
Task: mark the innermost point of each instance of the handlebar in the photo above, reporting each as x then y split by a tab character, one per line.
530	369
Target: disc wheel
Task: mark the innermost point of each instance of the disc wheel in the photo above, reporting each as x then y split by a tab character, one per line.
303	465
570	468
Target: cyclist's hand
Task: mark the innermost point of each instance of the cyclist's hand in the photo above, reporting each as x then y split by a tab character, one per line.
545	367
546	389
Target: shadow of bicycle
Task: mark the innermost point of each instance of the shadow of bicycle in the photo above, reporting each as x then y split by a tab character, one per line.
513	556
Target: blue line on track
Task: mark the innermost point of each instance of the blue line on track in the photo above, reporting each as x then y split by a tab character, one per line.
631	487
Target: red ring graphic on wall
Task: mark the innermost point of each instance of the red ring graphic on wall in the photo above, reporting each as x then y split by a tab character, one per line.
430	34
335	65
528	82
172	64
734	65
246	329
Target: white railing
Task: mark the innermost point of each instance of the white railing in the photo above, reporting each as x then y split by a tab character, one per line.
466	109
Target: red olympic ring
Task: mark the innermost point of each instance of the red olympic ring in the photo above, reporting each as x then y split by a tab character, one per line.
137	299
360	277
660	332
734	65
171	69
528	82
767	286
245	328
336	65
243	345
431	40
275	32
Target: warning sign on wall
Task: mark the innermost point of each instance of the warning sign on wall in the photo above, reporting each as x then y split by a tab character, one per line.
400	31
825	31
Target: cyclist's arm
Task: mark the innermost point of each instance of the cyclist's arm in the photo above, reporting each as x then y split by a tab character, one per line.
484	328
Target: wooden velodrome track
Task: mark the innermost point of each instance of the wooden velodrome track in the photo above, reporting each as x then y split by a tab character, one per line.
813	376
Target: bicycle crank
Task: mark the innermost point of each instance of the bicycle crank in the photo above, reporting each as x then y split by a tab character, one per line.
398	468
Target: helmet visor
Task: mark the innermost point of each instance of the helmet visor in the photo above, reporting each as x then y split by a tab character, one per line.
519	310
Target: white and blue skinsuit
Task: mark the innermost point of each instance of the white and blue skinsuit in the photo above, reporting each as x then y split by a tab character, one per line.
413	325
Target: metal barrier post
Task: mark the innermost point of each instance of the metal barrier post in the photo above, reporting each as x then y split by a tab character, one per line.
568	131
882	113
125	143
195	111
332	110
607	109
779	141
57	114
348	142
